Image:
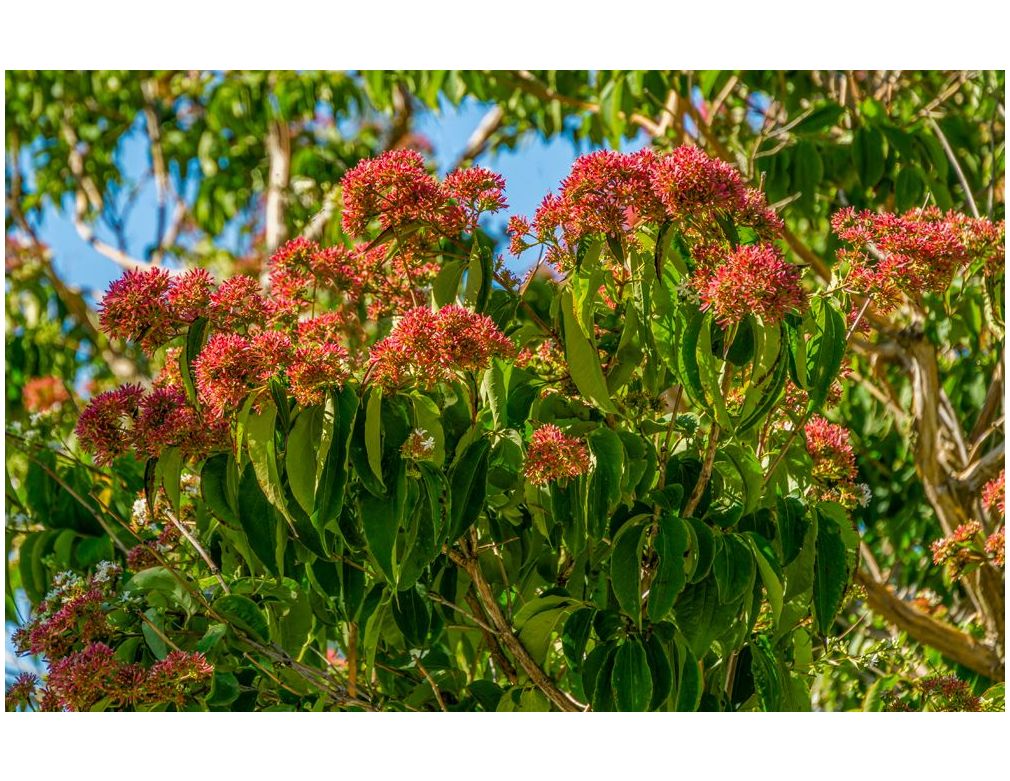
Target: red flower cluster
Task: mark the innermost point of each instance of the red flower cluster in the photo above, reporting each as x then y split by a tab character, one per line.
995	547
994	494
552	455
914	253
74	610
136	308
116	421
612	194
80	680
396	191
949	693
831	450
41	394
949	548
428	347
751	279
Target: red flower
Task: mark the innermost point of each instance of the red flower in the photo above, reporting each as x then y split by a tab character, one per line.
552	455
476	190
41	394
291	274
224	372
995	546
429	347
237	304
315	369
165	418
994	494
105	427
752	279
829	446
189	295
136	308
396	190
270	352
691	184
914	253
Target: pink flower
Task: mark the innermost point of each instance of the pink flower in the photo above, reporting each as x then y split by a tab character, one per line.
396	190
135	308
476	190
224	372
189	295
315	369
995	546
994	494
41	394
165	418
831	450
429	347
105	427
690	184
552	455
752	279
237	304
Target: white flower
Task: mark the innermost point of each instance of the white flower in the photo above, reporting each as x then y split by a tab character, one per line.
865	495
140	514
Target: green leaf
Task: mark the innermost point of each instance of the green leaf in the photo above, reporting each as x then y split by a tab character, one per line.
258	521
868	155
446	284
260	430
380	523
830	572
468	488
661	669
575	636
825	352
583	359
195	338
689	678
631	678
218	487
169	474
331	477
734	568
243	613
765	557
412	615
300	456
626	566
671	543
373	431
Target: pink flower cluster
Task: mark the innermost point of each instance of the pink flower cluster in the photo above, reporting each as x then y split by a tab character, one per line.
428	347
830	448
395	191
752	279
891	255
994	494
128	418
41	394
80	680
612	194
552	455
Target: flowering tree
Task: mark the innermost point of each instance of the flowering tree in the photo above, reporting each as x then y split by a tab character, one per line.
388	474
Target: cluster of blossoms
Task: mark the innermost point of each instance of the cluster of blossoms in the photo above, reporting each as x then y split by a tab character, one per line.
914	253
959	549
395	191
75	609
44	394
994	494
427	347
147	422
612	195
830	448
944	693
752	279
95	674
419	445
552	455
70	628
157	536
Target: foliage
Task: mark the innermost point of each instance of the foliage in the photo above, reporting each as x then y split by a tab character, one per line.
395	476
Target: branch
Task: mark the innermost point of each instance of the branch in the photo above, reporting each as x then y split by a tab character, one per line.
948	640
508	638
279	153
957	167
478	140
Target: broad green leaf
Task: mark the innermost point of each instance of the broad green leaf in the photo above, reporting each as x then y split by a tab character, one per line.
672	539
626	566
373	431
244	614
631	678
468	488
583	359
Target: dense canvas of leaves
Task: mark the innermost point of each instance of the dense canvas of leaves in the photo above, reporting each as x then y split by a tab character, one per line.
381	472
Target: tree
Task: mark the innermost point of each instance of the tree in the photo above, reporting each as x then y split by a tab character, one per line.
393	475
